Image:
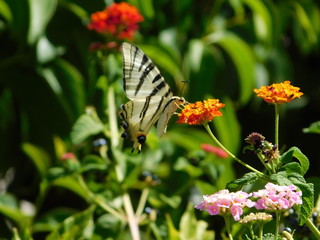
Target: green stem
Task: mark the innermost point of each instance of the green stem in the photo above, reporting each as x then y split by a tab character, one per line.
98	200
132	219
278	216
276	125
260	231
228	226
142	202
251	231
313	228
206	126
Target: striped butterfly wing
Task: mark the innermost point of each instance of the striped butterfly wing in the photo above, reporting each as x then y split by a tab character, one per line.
151	97
141	77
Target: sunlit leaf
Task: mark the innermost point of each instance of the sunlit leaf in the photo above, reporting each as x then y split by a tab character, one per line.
5	11
242	56
41	11
86	125
262	19
38	156
313	128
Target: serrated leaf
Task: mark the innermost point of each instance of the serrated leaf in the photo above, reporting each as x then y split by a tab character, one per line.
281	178
307	189
86	125
295	152
313	128
237	184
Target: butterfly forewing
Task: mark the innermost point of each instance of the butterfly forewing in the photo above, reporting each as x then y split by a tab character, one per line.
141	78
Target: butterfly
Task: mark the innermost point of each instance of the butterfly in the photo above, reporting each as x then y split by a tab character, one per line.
151	98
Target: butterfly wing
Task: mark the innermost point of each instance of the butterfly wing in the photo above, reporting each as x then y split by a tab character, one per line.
141	78
151	97
139	115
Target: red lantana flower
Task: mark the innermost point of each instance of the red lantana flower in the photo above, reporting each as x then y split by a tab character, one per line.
119	20
279	93
200	112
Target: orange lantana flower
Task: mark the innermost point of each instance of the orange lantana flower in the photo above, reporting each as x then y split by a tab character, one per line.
200	112
119	20
279	92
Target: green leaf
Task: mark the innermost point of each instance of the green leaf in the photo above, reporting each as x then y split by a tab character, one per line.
306	208
71	184
5	11
146	8
295	152
86	125
164	60
93	162
10	209
313	128
191	228
173	201
38	156
182	164
243	58
78	226
262	20
237	184
71	89
172	231
281	178
46	51
50	221
41	11
292	167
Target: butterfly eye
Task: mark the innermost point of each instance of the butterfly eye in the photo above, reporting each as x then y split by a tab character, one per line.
124	135
141	139
124	125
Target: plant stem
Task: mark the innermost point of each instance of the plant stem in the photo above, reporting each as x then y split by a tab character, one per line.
313	228
142	202
276	125
98	200
278	216
132	219
206	126
260	231
228	226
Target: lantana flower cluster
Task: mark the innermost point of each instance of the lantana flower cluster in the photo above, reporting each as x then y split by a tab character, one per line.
200	112
225	203
119	20
278	93
273	197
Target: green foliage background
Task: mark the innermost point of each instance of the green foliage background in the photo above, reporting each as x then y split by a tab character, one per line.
48	78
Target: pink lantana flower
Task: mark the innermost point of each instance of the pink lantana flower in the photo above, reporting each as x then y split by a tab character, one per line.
225	202
275	197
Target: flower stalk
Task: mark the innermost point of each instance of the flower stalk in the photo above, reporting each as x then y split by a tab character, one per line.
276	124
207	127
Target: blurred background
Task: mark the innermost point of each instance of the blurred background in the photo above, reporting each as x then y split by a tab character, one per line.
61	88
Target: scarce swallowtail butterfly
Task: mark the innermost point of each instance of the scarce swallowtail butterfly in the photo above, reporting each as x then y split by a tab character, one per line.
151	99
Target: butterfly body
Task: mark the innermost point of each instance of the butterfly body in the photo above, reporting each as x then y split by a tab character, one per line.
151	99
